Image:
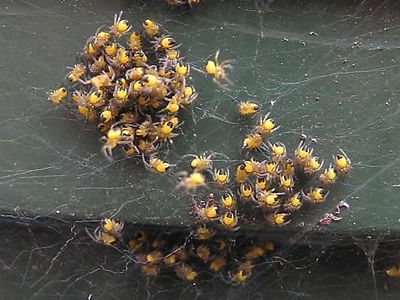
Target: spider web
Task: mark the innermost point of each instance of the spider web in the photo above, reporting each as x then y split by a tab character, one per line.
326	69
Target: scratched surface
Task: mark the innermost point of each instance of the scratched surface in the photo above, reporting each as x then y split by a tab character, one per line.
331	68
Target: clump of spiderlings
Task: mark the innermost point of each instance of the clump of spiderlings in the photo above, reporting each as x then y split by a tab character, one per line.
269	184
133	84
190	259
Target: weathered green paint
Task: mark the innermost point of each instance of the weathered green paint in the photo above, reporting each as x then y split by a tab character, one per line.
51	161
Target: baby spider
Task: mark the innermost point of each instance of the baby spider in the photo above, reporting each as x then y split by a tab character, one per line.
150	27
192	181
134	42
174	104
96	98
266	126
257	251
182	71
278	219
171	259
114	138
263	182
156	165
248	109
91	50
88	113
150	262
106	119
120	27
268	199
57	96
286	183
342	162
221	177
228	200
393	271
107	232
135	74
203	252
277	151
103	80
288	167
246	191
146	128
100	38
240	277
210	211
201	162
147	147
165	129
242	273
139	58
102	237
205	212
203	233
229	220
165	43
313	165
241	174
302	154
253	141
120	94
149	269
219	71
77	72
294	202
189	95
217	264
112	226
98	65
272	168
315	195
185	272
111	49
121	59
329	176
253	167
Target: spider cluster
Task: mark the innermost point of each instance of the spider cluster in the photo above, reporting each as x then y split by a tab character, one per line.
133	85
271	188
204	252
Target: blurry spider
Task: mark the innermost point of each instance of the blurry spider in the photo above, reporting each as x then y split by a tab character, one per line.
120	27
114	137
203	161
192	181
219	70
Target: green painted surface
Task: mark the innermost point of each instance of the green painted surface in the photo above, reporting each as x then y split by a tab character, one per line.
51	162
